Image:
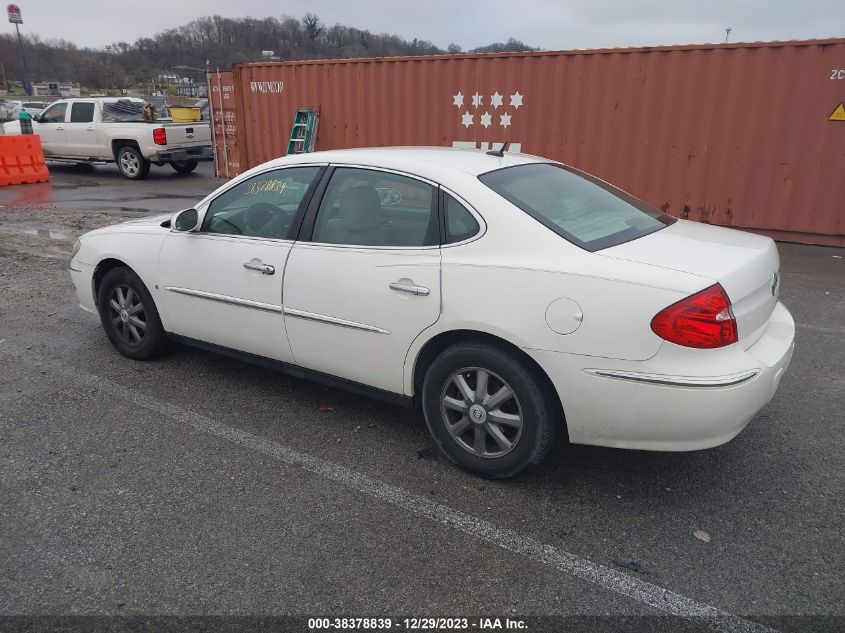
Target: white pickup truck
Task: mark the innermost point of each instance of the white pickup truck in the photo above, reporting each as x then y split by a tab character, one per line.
108	129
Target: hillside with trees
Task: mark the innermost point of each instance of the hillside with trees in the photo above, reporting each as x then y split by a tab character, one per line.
220	40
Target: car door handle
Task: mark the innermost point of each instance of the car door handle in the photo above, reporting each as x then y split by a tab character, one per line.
411	288
59	128
264	269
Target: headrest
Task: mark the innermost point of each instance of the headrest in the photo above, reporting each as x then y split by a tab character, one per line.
360	208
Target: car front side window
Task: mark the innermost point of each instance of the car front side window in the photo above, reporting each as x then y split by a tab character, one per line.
262	206
366	207
55	113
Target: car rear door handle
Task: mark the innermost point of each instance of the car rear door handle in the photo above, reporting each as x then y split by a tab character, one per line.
59	128
264	269
410	288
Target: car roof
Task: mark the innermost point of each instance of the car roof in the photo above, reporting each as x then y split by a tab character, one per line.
418	160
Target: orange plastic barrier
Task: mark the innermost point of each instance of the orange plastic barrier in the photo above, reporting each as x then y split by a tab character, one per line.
21	160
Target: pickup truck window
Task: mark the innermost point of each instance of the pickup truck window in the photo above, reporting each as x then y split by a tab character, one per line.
82	112
55	113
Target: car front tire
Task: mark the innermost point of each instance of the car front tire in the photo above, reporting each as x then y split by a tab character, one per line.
131	163
129	315
184	166
489	410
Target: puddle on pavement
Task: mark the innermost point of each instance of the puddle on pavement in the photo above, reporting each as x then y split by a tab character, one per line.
48	233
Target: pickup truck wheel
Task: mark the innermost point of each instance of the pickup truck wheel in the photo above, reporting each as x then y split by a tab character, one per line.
131	163
184	166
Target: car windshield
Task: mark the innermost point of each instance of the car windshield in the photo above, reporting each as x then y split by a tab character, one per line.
580	208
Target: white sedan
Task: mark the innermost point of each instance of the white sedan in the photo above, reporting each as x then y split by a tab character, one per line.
513	298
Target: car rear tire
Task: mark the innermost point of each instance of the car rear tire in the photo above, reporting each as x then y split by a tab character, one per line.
184	166
131	163
489	410
129	315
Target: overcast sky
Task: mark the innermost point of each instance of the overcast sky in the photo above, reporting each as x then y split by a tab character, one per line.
549	24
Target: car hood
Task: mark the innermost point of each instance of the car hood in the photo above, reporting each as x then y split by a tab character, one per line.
14	127
152	220
147	224
745	264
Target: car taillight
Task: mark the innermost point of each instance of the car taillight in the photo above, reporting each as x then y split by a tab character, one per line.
704	320
160	136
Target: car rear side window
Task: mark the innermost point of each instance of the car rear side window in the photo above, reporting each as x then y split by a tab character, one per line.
586	211
81	112
367	207
460	223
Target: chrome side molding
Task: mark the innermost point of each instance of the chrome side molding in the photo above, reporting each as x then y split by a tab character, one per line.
321	318
269	307
236	301
677	381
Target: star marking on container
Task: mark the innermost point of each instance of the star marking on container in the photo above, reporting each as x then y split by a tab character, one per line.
477	100
505	119
466	119
495	99
516	100
458	99
486	119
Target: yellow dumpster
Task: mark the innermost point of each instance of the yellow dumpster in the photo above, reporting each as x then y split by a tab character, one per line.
183	114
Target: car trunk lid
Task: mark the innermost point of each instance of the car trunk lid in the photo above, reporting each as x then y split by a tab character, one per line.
746	264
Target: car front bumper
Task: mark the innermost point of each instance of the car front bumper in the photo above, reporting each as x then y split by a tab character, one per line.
82	276
679	400
203	152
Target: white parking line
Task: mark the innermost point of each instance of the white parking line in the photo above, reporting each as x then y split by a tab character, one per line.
820	328
604	577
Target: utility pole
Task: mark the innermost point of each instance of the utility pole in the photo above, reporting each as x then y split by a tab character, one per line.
109	78
14	12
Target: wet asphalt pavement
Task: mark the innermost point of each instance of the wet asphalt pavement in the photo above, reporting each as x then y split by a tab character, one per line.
196	484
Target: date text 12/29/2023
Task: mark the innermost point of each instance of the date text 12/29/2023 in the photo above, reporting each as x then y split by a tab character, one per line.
417	624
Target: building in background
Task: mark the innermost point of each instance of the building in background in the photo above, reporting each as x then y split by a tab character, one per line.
51	89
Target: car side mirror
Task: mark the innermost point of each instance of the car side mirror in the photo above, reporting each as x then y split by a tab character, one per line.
186	220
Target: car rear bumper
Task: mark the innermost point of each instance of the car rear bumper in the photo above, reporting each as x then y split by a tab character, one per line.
652	405
203	152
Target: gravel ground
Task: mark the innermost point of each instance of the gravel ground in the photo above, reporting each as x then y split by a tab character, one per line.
196	484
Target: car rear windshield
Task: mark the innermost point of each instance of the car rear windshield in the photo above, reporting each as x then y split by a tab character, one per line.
580	208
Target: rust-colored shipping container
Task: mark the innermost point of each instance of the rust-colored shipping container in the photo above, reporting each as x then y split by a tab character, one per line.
744	135
222	106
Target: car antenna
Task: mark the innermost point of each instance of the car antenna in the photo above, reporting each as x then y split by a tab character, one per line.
501	151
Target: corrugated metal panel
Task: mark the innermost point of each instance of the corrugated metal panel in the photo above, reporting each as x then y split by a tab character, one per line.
222	106
733	134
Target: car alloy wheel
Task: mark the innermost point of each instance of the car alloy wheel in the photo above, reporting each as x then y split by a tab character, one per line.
127	315
130	164
481	412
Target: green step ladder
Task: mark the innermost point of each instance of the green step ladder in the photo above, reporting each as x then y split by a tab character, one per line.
303	134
